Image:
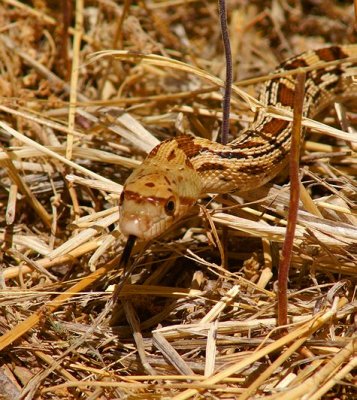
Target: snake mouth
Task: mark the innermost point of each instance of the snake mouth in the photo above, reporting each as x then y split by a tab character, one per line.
124	260
144	221
134	225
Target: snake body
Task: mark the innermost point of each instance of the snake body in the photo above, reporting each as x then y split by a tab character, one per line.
180	170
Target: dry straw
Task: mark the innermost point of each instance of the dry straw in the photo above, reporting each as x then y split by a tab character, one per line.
197	317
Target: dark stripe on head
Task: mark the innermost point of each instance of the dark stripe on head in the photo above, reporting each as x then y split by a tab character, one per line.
130	195
134	196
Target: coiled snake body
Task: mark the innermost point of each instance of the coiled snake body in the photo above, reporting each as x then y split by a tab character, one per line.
180	170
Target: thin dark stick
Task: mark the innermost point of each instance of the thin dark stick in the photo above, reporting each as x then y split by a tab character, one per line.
287	250
66	21
229	71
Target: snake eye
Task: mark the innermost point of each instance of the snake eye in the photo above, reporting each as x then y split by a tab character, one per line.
170	206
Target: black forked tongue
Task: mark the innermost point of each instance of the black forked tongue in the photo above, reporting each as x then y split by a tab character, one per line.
124	260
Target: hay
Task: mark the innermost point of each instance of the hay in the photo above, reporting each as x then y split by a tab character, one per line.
83	101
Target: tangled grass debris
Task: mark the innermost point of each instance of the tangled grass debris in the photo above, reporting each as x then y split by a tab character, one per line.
197	319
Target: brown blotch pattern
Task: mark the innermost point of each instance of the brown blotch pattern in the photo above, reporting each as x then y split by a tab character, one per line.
251	169
318	77
294	64
274	126
187	145
150	184
211	166
285	95
154	151
231	154
331	53
270	132
171	156
248	143
188	163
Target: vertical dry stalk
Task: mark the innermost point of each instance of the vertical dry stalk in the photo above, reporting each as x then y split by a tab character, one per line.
293	203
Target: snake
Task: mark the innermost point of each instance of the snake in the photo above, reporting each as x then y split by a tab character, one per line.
183	169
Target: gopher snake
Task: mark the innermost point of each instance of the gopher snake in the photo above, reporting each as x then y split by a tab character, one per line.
180	170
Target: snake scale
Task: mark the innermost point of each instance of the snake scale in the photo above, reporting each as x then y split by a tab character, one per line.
180	170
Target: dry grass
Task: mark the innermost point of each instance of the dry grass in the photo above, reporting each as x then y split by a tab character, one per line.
197	319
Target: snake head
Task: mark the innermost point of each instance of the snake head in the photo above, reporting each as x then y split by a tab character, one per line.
154	197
